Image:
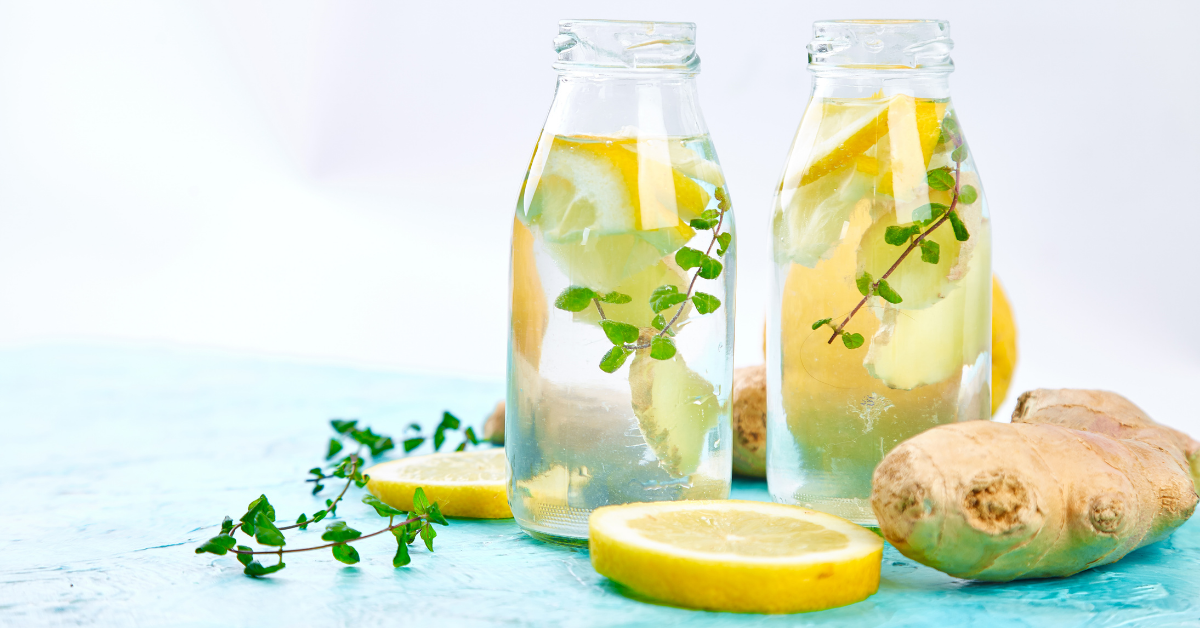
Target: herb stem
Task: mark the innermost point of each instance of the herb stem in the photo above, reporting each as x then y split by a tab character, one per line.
317	547
912	245
687	295
354	460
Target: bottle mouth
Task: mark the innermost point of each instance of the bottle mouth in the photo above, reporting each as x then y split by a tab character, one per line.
620	45
881	46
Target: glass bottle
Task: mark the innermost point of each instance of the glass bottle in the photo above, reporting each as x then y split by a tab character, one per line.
621	337
880	325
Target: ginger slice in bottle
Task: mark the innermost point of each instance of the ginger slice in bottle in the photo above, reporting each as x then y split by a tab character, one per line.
675	407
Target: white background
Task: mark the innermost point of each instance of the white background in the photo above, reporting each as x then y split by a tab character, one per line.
335	181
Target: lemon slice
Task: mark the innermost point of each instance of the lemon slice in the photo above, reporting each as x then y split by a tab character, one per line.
741	556
464	483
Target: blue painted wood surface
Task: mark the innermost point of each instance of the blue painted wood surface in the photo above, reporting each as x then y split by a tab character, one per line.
120	459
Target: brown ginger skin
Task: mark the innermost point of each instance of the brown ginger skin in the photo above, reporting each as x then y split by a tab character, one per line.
1079	479
750	421
493	428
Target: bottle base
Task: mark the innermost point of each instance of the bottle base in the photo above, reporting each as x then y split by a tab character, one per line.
854	510
554	539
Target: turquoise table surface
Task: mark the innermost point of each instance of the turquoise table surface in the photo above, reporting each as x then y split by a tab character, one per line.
120	459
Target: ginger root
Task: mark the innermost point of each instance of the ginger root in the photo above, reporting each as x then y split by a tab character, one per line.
1079	479
493	428
750	421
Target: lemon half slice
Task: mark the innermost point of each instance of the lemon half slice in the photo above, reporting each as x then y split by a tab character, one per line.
749	557
464	484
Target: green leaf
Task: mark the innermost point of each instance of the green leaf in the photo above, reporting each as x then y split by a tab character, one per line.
217	545
929	212
449	421
427	535
338	532
852	341
817	325
335	446
266	533
401	558
662	348
940	179
710	268
725	239
616	298
864	284
619	333
469	434
439	438
420	501
614	359
960	230
950	124
968	194
720	194
256	569
687	257
899	235
461	446
885	291
319	515
345	553
382	509
705	303
412	443
708	219
342	427
436	516
302	521
658	322
960	154
664	297
412	530
574	299
383	444
930	251
260	505
244	559
226	525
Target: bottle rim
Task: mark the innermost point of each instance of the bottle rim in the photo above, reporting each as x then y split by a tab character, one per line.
626	46
878	46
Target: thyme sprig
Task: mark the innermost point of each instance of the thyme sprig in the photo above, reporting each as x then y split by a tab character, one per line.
627	338
927	219
259	520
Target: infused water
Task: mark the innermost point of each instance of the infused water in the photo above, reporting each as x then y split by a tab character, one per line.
863	174
612	214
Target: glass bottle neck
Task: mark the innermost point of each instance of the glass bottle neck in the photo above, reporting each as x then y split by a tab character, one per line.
851	83
636	104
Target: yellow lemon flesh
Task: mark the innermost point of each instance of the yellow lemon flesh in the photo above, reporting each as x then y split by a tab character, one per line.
464	483
1004	344
741	556
608	208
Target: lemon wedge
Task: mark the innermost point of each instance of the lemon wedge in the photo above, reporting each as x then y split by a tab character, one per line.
1004	344
741	556
607	208
463	483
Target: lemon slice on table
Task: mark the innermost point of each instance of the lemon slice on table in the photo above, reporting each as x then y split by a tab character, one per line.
463	483
749	557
